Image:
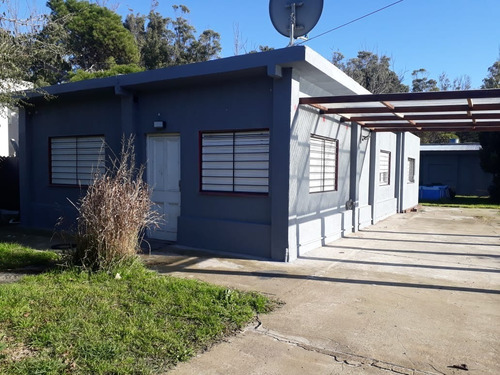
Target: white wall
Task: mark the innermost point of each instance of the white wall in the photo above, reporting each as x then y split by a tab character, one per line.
410	189
4	133
384	195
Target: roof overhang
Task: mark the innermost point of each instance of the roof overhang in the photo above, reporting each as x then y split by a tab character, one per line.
469	110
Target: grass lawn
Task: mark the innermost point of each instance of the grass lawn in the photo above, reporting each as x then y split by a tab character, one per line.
14	256
466	201
71	322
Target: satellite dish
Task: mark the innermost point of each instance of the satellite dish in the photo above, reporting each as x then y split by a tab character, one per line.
295	18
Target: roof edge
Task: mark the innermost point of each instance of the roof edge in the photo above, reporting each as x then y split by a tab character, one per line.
268	60
329	69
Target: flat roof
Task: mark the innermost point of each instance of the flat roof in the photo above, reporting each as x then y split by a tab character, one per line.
451	147
468	110
317	75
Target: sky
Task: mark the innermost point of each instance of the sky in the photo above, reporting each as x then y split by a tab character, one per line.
458	37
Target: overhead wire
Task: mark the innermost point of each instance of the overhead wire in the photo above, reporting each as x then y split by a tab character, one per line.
352	21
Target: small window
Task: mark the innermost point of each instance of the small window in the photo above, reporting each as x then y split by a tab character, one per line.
235	161
384	168
411	170
76	160
323	156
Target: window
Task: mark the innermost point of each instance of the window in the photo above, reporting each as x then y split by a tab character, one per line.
235	161
411	170
322	164
75	160
384	168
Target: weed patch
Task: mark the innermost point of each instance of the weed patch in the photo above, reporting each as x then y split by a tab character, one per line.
114	214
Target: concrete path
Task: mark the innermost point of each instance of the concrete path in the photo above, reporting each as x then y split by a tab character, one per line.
417	293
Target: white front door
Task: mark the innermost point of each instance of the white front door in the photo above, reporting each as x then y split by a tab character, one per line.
163	173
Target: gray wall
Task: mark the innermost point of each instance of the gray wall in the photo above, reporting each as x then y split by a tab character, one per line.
41	204
460	170
221	222
316	218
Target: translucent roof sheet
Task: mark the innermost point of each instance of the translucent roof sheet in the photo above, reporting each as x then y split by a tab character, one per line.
471	110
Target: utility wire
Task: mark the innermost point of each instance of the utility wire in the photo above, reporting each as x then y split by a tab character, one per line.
348	23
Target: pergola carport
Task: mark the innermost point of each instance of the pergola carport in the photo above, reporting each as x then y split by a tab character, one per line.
471	110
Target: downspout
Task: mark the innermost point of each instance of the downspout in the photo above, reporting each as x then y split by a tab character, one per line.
354	177
373	177
403	166
398	174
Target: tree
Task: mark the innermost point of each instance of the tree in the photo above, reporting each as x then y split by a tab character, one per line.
262	49
135	24
371	71
490	141
492	81
95	34
23	52
51	66
459	83
422	83
165	41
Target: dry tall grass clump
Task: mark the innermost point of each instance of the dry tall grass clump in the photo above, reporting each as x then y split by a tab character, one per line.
114	214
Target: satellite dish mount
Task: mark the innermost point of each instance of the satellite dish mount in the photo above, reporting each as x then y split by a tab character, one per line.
294	18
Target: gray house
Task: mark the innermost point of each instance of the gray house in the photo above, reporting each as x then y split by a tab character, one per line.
236	164
456	165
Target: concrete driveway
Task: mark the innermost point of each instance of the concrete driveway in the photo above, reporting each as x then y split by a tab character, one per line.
417	293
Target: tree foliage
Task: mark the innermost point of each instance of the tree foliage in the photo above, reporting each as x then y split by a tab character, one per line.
492	81
422	83
371	71
79	40
95	34
375	74
165	41
24	52
114	70
51	65
459	83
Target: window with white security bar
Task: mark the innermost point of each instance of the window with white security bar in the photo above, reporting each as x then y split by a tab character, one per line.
323	155
411	170
235	161
384	168
76	160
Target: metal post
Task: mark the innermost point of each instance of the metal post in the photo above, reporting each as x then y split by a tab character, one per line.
292	24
